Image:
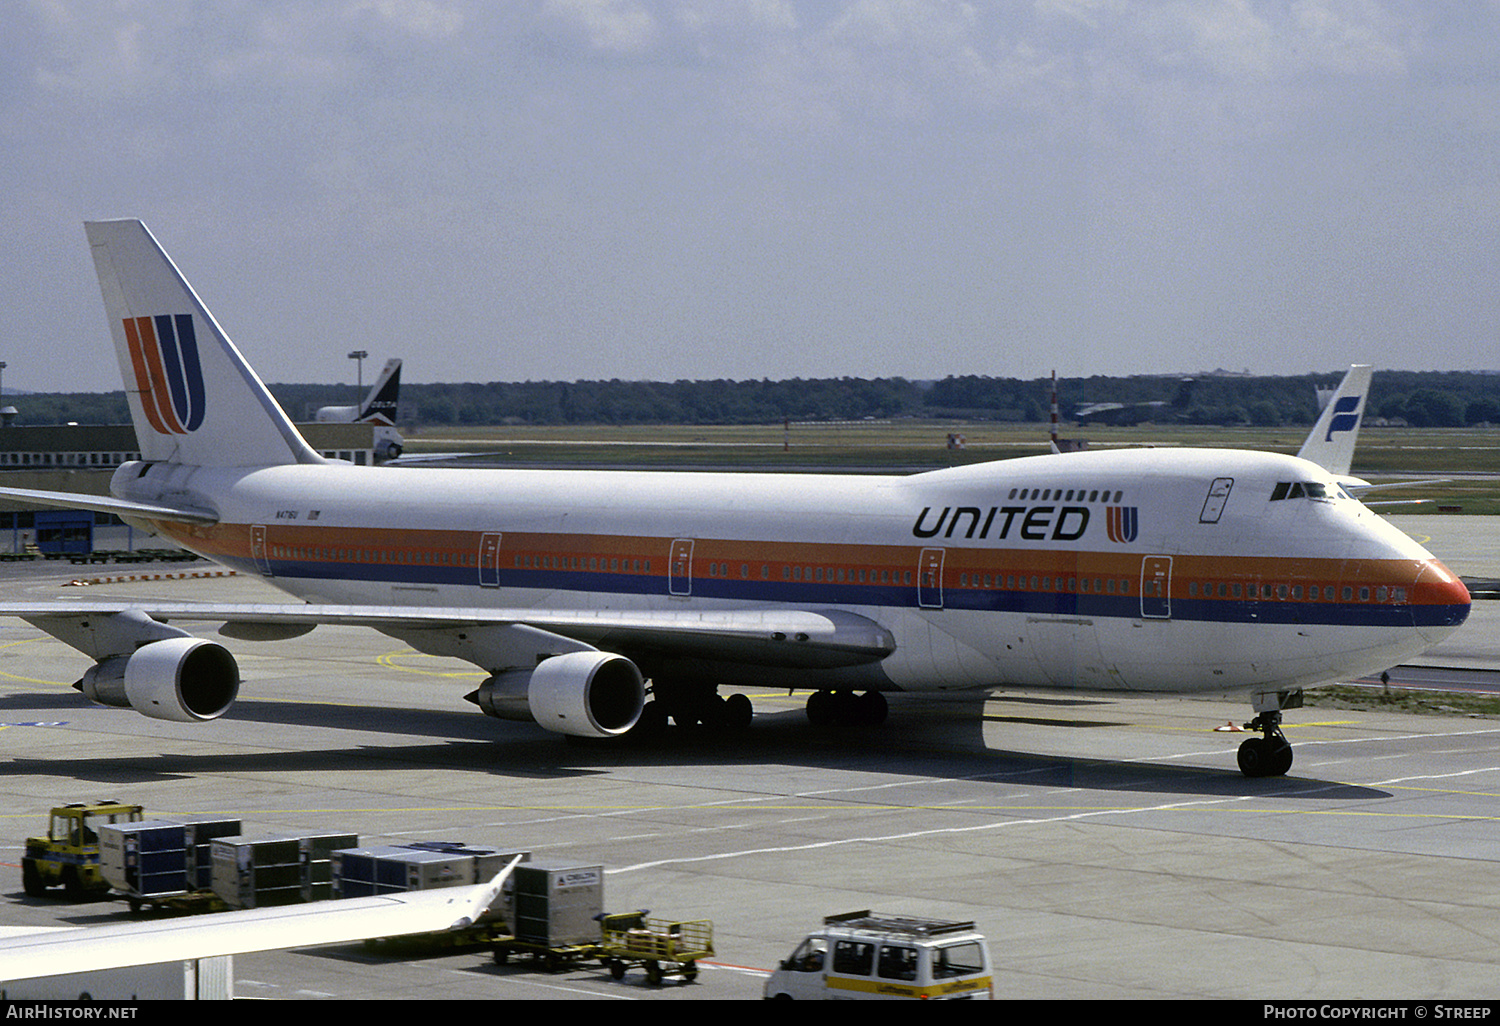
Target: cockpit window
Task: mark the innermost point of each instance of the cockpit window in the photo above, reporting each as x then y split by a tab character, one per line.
1299	490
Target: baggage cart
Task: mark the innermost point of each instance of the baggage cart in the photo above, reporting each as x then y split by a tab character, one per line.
661	947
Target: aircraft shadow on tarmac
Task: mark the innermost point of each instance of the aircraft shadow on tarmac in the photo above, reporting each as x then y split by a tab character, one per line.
942	739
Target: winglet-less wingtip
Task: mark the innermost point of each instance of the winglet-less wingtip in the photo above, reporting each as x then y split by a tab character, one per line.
482	902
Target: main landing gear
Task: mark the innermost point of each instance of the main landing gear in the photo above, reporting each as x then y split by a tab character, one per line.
1269	755
701	707
694	706
845	708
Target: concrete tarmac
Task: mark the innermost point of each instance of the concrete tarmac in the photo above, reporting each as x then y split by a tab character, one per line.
1108	847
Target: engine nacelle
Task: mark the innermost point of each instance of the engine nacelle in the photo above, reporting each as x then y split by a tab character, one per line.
183	679
588	694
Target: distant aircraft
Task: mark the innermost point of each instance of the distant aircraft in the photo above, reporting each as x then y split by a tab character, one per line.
378	410
1151	571
379	406
39	957
1131	414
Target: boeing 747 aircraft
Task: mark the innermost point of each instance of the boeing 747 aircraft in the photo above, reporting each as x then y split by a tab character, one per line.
598	600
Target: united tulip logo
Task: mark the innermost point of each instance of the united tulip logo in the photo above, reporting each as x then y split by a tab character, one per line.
1121	523
164	355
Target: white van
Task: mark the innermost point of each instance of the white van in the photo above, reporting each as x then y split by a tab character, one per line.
874	955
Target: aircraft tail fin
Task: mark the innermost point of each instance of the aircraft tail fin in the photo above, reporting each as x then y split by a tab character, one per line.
379	406
193	398
1331	443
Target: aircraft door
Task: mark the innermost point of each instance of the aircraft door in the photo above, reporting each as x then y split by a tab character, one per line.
930	579
489	560
1156	587
1218	496
680	567
258	549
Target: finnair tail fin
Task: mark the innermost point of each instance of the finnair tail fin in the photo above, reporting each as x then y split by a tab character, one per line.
193	397
1331	443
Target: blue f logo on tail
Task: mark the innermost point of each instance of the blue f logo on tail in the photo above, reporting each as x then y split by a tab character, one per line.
1345	416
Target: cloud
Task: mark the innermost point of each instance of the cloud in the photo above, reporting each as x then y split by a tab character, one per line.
565	188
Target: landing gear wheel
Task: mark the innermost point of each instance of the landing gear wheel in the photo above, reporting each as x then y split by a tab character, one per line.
845	708
821	708
1268	756
738	712
871	708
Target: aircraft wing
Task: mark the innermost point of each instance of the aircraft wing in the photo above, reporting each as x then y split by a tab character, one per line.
1359	488
496	638
89	949
108	504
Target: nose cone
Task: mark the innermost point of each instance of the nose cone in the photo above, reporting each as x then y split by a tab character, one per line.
1440	602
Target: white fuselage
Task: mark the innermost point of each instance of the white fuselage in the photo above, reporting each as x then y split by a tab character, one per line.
1149	570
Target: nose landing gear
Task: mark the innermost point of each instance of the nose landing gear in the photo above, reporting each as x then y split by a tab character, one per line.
1269	755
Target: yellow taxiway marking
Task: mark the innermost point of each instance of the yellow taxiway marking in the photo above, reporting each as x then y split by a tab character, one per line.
389	661
31	680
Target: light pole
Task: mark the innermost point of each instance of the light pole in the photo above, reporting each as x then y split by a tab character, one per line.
358	356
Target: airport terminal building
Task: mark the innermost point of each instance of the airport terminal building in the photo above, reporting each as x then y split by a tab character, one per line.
75	458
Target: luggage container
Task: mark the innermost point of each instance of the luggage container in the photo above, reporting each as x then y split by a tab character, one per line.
162	861
257	872
198	834
392	869
274	869
316	854
146	859
558	904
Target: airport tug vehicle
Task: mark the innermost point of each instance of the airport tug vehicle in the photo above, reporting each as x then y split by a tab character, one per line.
874	955
69	854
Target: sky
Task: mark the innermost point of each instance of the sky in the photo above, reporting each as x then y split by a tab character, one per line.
745	189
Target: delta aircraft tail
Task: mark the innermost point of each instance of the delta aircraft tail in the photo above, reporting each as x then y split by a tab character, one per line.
379	407
193	398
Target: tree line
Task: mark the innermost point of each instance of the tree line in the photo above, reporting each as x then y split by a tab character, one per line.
1419	398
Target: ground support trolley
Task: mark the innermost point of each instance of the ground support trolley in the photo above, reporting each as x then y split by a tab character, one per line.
183	903
661	947
551	959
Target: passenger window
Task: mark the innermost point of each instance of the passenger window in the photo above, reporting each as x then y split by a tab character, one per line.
898	963
853	958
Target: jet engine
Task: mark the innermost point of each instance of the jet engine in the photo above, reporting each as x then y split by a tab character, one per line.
183	679
588	694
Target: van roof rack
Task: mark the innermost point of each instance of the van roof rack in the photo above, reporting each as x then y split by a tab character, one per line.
884	921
